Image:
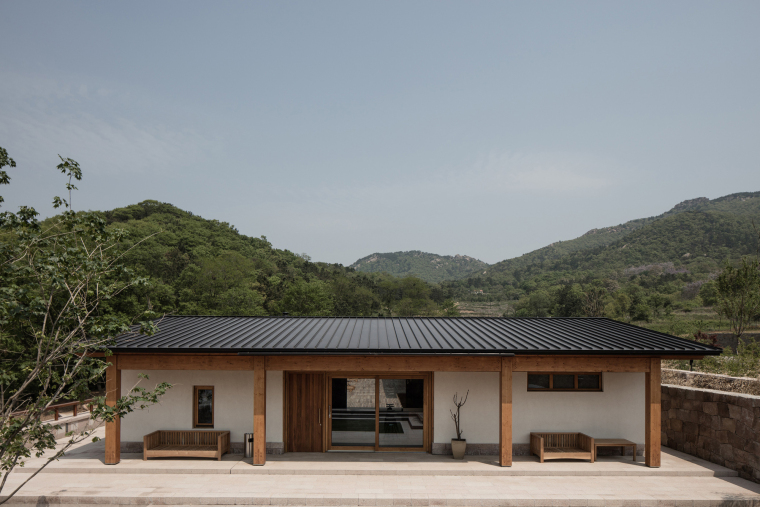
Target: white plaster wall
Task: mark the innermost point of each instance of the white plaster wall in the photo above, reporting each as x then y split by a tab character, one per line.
233	404
618	411
480	415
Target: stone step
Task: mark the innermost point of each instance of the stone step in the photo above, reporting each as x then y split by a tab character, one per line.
497	472
313	501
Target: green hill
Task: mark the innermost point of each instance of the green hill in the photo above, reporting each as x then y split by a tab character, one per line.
430	267
697	233
206	267
657	271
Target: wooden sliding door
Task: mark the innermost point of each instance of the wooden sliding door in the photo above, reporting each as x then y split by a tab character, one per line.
304	408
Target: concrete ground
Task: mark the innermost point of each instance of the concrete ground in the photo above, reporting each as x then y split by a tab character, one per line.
379	479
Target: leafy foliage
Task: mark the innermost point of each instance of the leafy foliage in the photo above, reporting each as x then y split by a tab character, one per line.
206	267
56	277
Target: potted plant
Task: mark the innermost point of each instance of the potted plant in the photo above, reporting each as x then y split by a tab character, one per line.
458	444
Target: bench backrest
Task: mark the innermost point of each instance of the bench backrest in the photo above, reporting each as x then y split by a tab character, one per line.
559	439
202	437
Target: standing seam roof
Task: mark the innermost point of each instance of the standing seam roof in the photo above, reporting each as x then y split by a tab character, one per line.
406	335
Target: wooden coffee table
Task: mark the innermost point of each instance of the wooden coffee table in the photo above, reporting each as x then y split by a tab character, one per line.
614	442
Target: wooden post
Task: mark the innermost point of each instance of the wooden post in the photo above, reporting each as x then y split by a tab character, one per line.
505	412
259	410
113	429
653	413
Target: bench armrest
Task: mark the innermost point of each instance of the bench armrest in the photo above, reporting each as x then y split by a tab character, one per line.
585	442
536	444
151	440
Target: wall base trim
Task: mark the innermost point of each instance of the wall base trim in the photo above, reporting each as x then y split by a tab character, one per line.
481	449
524	450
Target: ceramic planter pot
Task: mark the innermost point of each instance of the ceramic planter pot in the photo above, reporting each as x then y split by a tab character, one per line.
458	447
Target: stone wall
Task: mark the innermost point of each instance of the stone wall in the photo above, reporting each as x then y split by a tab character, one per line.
717	426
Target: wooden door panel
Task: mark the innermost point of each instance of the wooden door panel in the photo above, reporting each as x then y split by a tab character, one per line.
304	400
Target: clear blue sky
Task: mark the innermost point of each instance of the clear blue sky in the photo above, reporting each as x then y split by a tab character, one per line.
340	129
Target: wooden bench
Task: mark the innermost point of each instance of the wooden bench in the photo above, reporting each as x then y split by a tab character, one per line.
184	444
562	446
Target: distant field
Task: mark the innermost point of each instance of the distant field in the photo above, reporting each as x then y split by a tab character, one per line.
482	309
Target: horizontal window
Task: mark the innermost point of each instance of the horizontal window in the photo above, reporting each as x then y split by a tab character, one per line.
564	381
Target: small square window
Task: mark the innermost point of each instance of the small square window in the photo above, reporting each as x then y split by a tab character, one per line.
589	381
203	407
563	382
538	381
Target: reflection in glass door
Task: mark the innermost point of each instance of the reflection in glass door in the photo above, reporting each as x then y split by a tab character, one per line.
353	412
377	413
401	412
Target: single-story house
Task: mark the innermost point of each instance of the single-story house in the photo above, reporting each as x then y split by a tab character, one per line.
318	384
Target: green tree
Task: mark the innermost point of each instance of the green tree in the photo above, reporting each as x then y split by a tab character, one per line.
55	277
739	293
308	298
709	294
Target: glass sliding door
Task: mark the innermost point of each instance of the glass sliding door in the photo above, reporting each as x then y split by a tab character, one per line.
378	412
353	412
401	413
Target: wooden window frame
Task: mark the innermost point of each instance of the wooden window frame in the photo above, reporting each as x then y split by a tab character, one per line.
195	407
575	389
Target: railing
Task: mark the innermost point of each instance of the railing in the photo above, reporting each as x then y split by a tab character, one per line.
76	404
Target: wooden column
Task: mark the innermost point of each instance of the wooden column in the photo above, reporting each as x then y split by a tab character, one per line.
259	410
505	412
113	429
653	413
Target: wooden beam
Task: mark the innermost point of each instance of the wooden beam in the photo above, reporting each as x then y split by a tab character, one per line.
653	413
581	363
113	429
259	410
505	412
381	363
384	363
184	362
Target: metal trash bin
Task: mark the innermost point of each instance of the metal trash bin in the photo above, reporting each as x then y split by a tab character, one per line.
248	445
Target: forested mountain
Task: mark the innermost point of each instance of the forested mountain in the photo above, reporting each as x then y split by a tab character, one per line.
430	267
633	271
206	267
740	204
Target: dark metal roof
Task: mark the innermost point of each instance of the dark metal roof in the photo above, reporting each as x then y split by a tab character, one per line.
406	335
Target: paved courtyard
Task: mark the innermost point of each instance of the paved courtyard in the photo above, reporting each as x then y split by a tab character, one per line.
380	479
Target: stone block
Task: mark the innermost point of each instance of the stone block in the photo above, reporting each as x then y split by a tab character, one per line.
736	441
715	422
747	416
728	424
744	432
721	436
723	409
682	414
664	404
690	428
710	408
690	394
676	424
734	411
727	452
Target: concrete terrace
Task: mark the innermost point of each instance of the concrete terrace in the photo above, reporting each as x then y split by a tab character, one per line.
379	479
